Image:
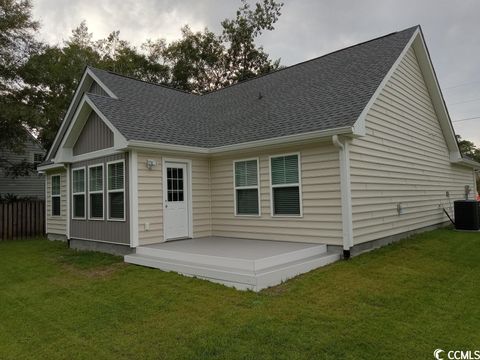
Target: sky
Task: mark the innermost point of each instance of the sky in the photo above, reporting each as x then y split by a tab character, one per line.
306	29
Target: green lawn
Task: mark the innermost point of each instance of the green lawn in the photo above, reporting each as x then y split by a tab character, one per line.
399	302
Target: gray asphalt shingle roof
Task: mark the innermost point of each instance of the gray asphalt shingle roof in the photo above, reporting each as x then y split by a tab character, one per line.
324	93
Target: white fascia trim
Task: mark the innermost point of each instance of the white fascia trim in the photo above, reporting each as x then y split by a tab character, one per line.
77	92
359	128
346	190
96	154
75	96
44	168
246	145
436	95
133	198
167	147
467	162
102	85
119	140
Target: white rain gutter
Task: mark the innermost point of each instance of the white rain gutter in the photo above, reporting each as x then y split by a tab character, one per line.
342	145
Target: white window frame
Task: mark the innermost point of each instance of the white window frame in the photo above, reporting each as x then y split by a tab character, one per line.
97	192
235	188
116	190
299	184
84	193
59	195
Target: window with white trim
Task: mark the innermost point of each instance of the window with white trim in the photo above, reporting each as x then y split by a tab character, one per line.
285	185
95	192
78	193
55	195
246	187
116	190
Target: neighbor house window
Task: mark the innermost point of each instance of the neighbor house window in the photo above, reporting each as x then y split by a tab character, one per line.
78	193
116	190
285	185
37	158
95	192
246	187
55	195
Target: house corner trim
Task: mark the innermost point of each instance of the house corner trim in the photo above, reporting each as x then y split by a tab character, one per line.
343	146
133	198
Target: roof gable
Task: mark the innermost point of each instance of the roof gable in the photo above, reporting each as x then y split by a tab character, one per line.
94	136
88	83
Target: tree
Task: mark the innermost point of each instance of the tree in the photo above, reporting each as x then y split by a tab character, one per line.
17	44
469	149
243	58
52	76
196	61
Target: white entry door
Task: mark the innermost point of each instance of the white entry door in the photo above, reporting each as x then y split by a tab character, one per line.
176	201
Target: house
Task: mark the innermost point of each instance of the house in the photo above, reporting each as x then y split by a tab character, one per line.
30	186
265	179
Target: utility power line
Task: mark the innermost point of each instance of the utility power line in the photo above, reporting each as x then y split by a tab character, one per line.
461	84
464	101
466	119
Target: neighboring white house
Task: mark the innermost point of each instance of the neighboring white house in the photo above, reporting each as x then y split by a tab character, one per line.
331	156
30	186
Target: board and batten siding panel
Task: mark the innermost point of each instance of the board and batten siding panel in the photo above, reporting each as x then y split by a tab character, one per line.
57	224
403	160
320	176
150	198
103	230
94	136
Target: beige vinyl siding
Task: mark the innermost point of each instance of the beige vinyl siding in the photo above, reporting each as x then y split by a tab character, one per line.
150	198
57	224
320	177
403	159
201	197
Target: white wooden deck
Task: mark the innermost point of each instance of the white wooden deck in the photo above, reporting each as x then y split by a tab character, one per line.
241	263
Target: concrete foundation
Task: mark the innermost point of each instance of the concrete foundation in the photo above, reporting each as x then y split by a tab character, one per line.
378	243
56	237
89	245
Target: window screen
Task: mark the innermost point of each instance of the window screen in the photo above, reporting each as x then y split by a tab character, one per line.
95	191
285	185
116	192
246	187
78	191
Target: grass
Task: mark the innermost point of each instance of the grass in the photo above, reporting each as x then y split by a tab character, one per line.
400	302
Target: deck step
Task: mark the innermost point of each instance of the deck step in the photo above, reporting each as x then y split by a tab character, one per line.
240	278
232	261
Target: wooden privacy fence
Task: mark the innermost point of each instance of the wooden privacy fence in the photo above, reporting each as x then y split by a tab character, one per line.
22	219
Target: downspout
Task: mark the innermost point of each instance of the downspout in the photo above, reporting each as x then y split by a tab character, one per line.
342	145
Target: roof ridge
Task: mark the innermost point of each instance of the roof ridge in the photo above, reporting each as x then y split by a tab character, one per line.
258	76
143	81
313	59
